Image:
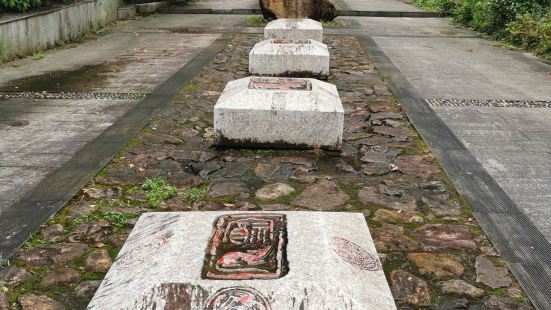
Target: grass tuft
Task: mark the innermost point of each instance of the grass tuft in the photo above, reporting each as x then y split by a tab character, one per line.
157	190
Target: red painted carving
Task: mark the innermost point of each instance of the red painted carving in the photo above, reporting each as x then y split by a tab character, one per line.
247	246
279	84
234	298
140	254
285	41
355	254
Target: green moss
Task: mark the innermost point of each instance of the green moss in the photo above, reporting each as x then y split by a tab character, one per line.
90	276
190	87
255	20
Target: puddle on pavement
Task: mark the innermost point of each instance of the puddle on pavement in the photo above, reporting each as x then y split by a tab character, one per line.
87	78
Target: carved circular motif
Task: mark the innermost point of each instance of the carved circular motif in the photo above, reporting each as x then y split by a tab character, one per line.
355	254
237	298
141	253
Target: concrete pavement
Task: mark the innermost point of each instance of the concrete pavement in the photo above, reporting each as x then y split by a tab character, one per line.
444	62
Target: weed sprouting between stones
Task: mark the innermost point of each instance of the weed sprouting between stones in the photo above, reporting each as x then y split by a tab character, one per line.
157	191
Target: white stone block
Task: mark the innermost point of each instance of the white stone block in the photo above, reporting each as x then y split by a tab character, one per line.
300	58
294	29
279	112
313	261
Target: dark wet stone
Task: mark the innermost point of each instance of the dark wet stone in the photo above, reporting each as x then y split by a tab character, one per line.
376	169
185	155
323	195
60	276
90	232
409	288
237	168
439	265
442	208
433	187
58	253
118	239
385	115
228	188
87	289
38	302
400	134
372	196
453	304
103	193
417	165
445	236
12	276
205	169
490	275
376	158
98	261
503	303
394	123
184	132
392	191
184	180
173	140
390	238
383	106
266	171
53	232
461	288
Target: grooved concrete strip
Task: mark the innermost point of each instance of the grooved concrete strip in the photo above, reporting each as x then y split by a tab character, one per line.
520	243
45	190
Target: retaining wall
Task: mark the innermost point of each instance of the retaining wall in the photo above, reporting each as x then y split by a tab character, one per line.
25	34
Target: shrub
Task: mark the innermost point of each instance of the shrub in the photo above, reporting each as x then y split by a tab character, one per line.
532	33
443	6
19	5
522	22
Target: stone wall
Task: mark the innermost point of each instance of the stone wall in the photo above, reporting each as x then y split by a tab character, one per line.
25	34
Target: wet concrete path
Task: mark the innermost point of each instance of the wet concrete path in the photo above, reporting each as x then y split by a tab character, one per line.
51	108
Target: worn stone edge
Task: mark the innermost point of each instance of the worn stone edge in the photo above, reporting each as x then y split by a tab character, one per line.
488	202
25	216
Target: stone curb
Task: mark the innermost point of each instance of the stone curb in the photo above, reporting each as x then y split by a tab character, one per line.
23	218
519	242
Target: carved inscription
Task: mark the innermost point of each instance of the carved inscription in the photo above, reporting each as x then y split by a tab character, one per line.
279	84
284	41
245	298
355	254
247	246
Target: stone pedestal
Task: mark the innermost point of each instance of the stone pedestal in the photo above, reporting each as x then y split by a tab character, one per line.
253	260
290	58
294	29
279	112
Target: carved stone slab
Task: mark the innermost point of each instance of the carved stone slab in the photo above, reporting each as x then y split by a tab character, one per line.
294	29
291	58
279	112
322	261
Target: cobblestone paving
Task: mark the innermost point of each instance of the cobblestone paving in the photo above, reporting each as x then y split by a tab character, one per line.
433	252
